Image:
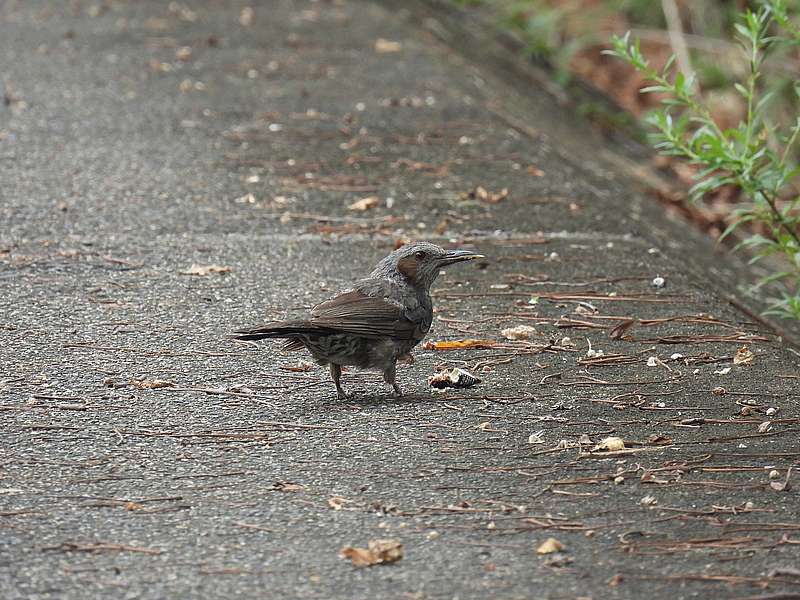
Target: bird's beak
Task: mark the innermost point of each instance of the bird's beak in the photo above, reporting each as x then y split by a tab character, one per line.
455	256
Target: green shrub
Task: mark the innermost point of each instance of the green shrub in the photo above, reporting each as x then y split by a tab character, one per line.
756	155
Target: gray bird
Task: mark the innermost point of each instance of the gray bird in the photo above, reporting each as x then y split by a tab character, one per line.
376	322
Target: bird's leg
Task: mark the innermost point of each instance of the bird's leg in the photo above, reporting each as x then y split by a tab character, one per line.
389	377
336	374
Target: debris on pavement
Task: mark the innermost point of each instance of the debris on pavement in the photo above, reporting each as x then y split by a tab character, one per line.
609	444
468	344
456	378
365	204
378	552
205	270
520	332
482	194
743	356
549	546
151	384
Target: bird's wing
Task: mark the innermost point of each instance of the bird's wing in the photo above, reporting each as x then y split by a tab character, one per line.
358	313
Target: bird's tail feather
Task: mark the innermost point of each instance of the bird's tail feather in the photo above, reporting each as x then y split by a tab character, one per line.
285	329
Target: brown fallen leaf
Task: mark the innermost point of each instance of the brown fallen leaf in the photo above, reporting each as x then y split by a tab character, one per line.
379	552
622	329
184	53
743	356
467	344
534	171
383	46
151	384
365	203
246	16
205	270
336	502
549	546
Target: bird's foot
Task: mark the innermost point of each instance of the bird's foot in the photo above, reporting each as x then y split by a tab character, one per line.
398	393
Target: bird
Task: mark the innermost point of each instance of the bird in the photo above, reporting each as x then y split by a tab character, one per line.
375	322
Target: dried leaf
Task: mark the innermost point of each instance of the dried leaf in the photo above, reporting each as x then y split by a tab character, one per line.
246	16
534	171
383	46
780	486
520	332
365	203
151	384
389	551
183	53
549	546
620	330
205	270
336	502
379	552
609	444
467	344
743	356
360	557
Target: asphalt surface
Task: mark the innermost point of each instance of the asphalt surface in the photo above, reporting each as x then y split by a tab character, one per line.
146	456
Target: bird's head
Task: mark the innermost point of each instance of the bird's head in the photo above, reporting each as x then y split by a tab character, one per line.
420	262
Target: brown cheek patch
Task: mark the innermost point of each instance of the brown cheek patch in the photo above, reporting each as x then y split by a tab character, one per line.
408	267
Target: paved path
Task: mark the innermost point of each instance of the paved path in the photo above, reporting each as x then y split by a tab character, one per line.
141	141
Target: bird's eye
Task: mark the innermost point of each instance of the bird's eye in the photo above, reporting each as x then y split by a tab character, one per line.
420	254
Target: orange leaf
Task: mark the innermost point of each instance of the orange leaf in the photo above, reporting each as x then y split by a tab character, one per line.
468	344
